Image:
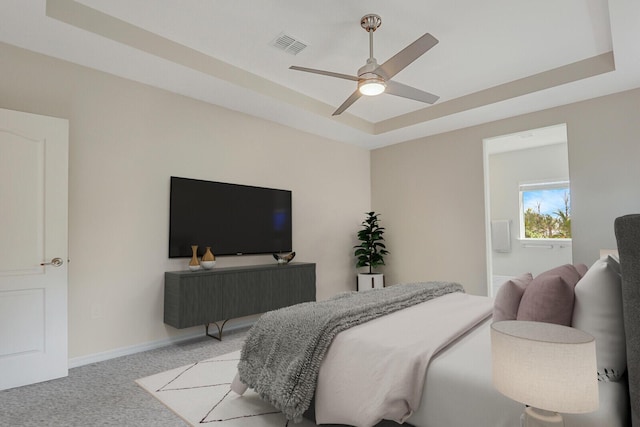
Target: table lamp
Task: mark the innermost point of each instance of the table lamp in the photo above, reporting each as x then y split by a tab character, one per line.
550	368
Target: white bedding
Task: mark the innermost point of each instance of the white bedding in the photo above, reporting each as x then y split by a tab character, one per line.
459	391
355	388
376	370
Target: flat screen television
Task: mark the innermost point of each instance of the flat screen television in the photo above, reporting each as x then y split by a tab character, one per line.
232	219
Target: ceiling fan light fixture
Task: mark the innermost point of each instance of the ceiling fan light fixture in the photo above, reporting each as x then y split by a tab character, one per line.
372	86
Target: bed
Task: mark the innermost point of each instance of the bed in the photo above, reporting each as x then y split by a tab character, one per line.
356	376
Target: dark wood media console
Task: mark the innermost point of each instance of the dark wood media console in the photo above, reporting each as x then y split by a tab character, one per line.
204	297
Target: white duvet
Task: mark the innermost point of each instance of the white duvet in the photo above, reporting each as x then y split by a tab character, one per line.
376	370
430	365
390	368
460	392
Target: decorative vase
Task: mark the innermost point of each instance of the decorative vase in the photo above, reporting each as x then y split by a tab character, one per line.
194	264
208	259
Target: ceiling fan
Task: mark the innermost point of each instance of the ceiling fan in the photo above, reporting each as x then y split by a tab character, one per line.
374	79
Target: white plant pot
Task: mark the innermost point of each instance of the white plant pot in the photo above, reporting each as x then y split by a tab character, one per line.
368	281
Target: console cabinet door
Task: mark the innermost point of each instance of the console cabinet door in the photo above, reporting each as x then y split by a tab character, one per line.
247	293
192	300
292	286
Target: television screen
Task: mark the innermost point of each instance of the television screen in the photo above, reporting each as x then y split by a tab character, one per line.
232	219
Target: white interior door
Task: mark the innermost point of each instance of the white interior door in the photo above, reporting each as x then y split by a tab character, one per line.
33	226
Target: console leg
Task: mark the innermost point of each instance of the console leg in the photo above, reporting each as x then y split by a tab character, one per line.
220	328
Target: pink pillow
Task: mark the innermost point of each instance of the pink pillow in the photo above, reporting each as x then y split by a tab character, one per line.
548	298
581	268
505	306
568	272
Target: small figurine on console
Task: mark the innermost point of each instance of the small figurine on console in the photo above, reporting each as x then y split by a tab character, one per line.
284	258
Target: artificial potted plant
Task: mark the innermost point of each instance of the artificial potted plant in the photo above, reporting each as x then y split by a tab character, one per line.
370	252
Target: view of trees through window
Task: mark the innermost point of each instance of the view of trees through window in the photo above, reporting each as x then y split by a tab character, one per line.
546	212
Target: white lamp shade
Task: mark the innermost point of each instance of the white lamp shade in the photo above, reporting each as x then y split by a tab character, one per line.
547	366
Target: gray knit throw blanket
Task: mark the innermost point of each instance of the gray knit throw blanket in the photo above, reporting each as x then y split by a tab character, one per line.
283	351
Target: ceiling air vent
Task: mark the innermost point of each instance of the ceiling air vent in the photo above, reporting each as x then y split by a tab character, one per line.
288	43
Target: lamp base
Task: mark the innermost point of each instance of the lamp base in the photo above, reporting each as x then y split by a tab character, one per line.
534	417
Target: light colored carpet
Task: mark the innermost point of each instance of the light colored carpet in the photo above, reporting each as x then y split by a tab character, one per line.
199	393
105	393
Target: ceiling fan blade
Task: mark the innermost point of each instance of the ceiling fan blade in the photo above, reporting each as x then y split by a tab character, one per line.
398	89
324	73
346	104
406	56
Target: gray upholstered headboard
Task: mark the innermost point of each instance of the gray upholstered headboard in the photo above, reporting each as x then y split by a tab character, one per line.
627	229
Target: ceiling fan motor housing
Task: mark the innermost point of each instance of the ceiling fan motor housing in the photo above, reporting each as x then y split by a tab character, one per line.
371	81
371	67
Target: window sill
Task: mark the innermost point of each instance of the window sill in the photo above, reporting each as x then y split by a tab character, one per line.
545	243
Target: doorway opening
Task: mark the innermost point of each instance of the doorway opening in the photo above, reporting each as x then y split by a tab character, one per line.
527	203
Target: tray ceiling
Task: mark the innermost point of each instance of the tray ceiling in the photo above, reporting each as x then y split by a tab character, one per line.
495	59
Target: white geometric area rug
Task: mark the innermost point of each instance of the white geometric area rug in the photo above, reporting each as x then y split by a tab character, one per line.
200	395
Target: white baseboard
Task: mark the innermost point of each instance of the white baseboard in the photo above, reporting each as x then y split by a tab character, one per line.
151	345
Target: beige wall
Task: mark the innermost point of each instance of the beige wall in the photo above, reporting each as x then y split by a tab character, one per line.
430	191
126	140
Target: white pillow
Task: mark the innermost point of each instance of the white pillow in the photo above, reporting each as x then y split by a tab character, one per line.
598	311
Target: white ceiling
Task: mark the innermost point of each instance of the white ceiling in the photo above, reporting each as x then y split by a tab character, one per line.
495	59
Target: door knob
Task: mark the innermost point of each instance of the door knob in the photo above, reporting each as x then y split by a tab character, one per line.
56	262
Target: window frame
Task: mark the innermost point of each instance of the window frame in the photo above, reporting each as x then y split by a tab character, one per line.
547	184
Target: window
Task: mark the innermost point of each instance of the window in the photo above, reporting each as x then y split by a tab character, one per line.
545	210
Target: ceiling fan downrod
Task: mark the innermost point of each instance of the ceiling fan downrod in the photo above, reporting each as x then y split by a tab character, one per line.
369	82
370	23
